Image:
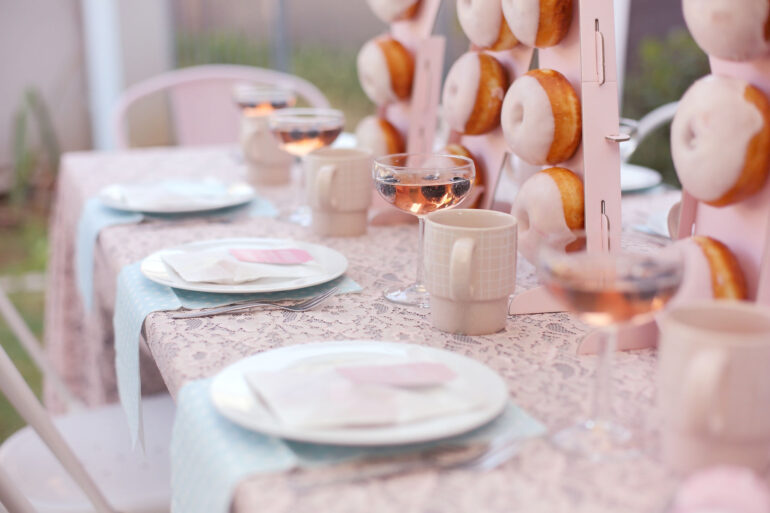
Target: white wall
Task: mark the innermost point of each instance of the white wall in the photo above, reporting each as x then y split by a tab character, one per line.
40	46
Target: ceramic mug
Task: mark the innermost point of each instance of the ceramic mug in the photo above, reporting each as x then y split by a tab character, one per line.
339	184
470	269
714	385
268	164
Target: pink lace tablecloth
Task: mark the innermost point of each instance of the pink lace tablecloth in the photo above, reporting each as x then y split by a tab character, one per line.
536	354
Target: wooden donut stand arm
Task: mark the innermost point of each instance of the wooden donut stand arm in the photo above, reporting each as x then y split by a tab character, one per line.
417	116
586	57
744	227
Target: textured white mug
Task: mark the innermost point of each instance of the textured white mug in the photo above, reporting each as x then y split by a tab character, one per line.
470	269
339	184
268	164
714	385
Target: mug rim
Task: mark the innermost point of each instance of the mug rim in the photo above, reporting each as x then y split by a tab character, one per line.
746	307
338	154
435	219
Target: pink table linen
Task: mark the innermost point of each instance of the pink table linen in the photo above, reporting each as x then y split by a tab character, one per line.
536	354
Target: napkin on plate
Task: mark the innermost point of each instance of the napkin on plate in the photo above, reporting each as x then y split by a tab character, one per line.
319	397
220	266
173	194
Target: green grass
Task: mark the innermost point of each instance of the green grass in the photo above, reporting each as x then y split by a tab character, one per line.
23	248
30	304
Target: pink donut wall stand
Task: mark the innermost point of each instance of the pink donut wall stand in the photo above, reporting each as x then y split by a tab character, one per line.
416	117
586	57
743	227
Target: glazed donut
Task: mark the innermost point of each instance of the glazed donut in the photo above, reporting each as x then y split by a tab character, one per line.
473	93
541	117
720	140
385	70
736	30
484	24
539	23
480	180
548	207
394	10
379	136
711	271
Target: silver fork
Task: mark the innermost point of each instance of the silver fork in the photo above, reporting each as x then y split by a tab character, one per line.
474	456
302	306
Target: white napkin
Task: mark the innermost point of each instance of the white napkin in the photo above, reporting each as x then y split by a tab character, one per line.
219	266
170	194
319	397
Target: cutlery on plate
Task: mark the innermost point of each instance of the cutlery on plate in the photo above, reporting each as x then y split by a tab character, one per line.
474	456
302	306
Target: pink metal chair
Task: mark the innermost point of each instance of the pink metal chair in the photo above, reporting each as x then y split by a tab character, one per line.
82	462
201	100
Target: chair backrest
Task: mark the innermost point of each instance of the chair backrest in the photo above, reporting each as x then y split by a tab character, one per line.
29	342
201	100
11	497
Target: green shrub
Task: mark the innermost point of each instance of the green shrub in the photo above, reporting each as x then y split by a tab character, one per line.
666	68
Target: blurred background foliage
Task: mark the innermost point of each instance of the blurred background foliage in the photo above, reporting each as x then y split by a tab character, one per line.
664	69
333	70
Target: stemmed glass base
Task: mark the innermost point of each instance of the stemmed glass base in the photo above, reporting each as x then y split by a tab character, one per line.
411	295
301	215
594	439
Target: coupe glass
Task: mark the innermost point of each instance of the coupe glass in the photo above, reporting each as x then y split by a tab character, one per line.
260	100
300	131
421	183
606	290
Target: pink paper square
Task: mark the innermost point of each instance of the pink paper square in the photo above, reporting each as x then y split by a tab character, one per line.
272	256
419	374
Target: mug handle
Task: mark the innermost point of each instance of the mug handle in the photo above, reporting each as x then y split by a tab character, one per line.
324	186
702	381
460	269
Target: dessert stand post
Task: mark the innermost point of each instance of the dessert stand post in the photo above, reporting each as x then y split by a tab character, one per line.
415	117
586	57
743	227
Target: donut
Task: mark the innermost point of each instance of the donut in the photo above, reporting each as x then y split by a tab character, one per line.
548	207
735	30
385	70
394	10
539	23
720	140
480	180
541	117
379	136
711	271
484	24
473	93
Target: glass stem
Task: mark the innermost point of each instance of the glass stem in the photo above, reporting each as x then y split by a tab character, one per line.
420	249
601	410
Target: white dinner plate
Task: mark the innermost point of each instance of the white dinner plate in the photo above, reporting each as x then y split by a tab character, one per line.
192	196
332	262
233	398
635	178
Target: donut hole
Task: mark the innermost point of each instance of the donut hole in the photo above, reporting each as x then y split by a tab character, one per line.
690	137
517	114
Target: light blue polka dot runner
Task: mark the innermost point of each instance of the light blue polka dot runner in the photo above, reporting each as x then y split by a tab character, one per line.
136	297
210	455
95	216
